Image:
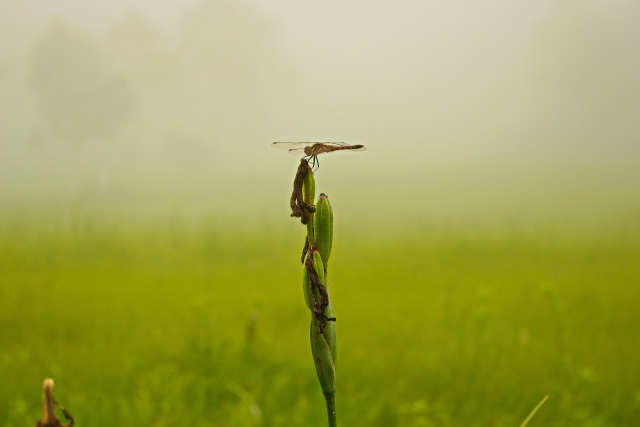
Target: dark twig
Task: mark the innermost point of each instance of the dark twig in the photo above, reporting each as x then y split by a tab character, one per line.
317	287
299	208
67	415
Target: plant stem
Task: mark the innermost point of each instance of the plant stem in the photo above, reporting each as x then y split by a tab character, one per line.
331	409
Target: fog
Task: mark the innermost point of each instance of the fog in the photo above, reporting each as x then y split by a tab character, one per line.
470	111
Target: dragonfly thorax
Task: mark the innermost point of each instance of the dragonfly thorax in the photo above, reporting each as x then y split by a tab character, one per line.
315	149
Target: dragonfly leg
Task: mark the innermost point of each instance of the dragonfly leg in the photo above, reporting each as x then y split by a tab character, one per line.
313	161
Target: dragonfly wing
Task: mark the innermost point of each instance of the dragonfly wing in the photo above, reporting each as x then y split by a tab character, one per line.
297	151
291	145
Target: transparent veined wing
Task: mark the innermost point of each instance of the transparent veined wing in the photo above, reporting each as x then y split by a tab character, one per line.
296	148
295	145
291	145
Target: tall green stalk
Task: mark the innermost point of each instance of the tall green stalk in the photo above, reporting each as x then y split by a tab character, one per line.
317	296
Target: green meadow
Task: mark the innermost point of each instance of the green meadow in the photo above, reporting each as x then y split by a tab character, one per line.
180	323
486	246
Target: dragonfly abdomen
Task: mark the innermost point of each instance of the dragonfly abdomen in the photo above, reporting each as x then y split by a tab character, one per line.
319	148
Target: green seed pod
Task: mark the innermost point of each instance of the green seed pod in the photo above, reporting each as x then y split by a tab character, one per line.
330	336
329	332
323	228
309	188
308	194
306	282
330	329
319	267
322	359
306	289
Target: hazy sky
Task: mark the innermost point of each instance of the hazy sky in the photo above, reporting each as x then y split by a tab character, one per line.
300	15
467	104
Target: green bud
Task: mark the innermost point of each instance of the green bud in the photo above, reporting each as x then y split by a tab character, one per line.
319	267
309	188
306	282
308	194
323	228
322	358
306	289
330	329
324	345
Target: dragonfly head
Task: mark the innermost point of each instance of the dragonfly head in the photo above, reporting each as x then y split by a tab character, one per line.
309	150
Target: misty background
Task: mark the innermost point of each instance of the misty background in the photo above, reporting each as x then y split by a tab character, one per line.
472	112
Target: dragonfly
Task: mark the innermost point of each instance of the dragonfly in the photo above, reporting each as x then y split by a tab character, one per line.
311	150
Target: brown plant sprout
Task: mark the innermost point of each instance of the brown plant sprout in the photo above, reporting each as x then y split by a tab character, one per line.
49	417
299	208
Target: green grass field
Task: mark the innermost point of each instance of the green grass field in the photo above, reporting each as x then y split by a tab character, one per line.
175	324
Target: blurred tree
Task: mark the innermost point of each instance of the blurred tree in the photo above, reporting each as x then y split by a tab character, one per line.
140	52
231	53
77	89
232	42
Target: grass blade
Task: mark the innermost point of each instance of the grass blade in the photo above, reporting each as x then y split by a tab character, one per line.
526	421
